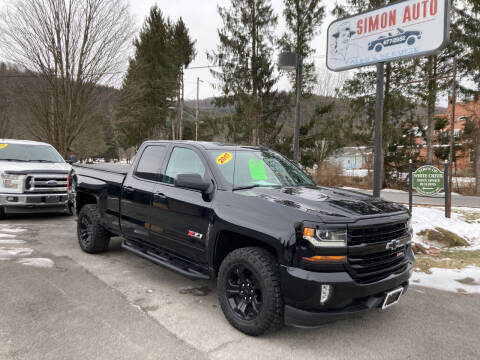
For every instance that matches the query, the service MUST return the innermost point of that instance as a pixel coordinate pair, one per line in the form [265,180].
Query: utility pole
[197,110]
[298,110]
[378,152]
[452,138]
[180,129]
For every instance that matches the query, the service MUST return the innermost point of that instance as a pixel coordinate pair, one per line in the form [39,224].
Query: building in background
[467,110]
[352,157]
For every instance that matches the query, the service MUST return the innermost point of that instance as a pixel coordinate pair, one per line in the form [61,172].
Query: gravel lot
[119,306]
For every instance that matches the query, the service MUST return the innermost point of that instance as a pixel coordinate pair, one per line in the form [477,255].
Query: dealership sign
[392,32]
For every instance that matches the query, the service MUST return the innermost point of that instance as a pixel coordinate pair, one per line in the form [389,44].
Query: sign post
[378,152]
[410,186]
[451,155]
[447,190]
[392,32]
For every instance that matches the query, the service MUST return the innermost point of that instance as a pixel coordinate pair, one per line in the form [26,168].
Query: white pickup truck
[33,178]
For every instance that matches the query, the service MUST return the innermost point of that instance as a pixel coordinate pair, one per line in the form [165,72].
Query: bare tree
[329,82]
[70,46]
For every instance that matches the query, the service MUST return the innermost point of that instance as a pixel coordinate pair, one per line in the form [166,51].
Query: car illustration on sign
[401,37]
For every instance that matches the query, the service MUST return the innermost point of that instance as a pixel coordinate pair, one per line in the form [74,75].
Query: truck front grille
[369,259]
[374,234]
[46,183]
[377,266]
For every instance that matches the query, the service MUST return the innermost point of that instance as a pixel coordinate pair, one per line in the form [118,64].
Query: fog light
[325,294]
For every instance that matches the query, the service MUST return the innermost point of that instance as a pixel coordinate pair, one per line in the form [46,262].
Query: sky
[202,19]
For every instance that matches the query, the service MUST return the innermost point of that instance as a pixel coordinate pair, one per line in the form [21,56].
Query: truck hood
[33,166]
[330,204]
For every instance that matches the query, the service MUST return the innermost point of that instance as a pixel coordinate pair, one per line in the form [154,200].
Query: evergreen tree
[246,78]
[303,19]
[152,82]
[184,54]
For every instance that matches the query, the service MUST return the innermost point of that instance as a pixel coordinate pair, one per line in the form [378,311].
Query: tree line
[71,48]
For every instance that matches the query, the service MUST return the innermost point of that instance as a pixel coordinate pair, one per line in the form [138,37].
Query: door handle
[128,189]
[159,195]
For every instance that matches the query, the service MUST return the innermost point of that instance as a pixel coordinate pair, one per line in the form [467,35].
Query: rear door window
[148,167]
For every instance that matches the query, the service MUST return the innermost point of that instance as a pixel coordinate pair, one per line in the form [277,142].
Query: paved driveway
[119,306]
[437,200]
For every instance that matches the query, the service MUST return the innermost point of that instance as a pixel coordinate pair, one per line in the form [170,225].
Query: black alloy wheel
[85,230]
[249,290]
[92,236]
[243,292]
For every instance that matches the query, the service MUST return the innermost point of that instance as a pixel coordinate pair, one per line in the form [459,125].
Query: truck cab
[33,178]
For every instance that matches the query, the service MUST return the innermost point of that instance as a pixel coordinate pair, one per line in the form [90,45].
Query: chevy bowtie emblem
[195,234]
[393,244]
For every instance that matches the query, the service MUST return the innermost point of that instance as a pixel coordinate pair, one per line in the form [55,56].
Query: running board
[185,271]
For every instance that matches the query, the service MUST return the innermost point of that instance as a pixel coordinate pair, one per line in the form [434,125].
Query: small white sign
[392,32]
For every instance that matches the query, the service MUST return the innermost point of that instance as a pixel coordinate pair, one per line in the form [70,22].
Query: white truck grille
[46,183]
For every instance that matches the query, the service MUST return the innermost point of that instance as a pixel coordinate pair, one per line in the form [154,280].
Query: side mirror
[192,181]
[72,159]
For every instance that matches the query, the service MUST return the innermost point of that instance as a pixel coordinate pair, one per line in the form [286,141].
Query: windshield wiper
[253,186]
[19,160]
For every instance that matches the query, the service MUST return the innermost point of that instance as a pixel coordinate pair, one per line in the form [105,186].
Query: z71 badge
[195,234]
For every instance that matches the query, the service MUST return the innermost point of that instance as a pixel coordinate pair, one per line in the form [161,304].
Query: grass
[443,237]
[448,259]
[471,217]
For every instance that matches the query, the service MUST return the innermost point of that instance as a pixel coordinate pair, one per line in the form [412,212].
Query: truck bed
[114,168]
[104,181]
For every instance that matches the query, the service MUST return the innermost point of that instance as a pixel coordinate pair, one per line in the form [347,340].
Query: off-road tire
[264,267]
[99,237]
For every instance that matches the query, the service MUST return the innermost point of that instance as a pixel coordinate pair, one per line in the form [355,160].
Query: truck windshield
[29,153]
[249,168]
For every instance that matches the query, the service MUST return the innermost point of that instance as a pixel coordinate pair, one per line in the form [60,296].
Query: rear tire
[92,236]
[378,47]
[249,291]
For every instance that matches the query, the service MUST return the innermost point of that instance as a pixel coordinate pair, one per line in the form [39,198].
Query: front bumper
[301,291]
[26,203]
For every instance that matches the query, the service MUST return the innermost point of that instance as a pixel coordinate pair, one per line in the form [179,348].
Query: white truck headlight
[12,181]
[325,238]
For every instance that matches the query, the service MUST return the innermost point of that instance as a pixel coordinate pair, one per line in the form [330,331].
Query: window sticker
[224,158]
[3,146]
[257,169]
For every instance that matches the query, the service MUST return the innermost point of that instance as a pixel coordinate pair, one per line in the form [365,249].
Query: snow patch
[431,217]
[7,235]
[11,230]
[37,262]
[6,253]
[355,172]
[465,280]
[12,242]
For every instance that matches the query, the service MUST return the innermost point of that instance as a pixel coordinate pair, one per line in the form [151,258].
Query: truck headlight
[11,181]
[325,238]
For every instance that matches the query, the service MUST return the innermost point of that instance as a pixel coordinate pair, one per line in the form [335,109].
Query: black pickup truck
[283,250]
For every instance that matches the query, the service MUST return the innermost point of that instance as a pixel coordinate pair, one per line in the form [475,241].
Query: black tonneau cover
[115,168]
